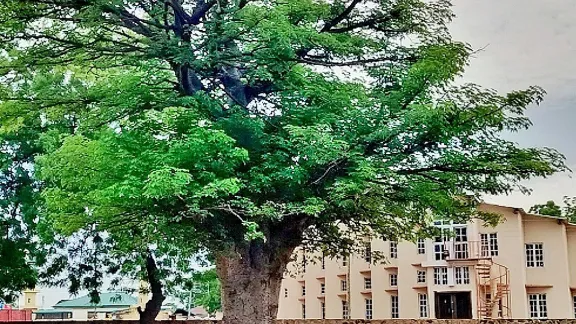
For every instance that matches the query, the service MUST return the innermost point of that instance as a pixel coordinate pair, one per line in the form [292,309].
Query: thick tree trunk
[251,285]
[154,305]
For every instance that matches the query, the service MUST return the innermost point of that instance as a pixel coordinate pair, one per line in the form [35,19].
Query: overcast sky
[528,42]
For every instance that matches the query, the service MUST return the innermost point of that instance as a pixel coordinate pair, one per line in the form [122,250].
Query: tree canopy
[568,210]
[246,128]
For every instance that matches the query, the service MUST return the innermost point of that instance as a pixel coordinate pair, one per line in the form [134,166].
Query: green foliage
[203,287]
[239,126]
[549,208]
[567,211]
[20,253]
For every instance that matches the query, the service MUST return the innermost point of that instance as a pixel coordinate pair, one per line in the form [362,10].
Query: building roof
[107,300]
[524,213]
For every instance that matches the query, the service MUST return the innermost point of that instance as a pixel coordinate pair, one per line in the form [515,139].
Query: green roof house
[107,300]
[82,308]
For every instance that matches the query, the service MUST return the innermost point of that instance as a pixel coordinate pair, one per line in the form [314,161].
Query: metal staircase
[493,286]
[492,279]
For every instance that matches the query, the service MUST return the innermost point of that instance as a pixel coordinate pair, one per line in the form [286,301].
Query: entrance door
[444,306]
[457,305]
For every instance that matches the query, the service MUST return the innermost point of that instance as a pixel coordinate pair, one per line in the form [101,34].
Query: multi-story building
[525,267]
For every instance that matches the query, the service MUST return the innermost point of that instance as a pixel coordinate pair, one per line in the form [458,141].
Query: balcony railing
[467,250]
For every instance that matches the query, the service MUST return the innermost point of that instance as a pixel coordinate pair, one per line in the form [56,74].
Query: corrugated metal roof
[109,299]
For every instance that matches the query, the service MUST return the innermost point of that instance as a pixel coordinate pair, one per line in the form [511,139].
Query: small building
[83,309]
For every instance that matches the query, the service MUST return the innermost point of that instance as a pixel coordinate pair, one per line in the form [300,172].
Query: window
[538,307]
[345,311]
[534,255]
[323,309]
[343,285]
[421,246]
[423,305]
[394,306]
[440,276]
[462,275]
[393,280]
[421,276]
[92,315]
[303,290]
[367,283]
[368,252]
[368,308]
[109,315]
[439,242]
[285,292]
[393,250]
[461,242]
[322,288]
[29,300]
[574,304]
[303,311]
[323,262]
[304,262]
[489,244]
[345,261]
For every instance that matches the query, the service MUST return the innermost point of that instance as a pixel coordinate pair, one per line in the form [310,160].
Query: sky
[526,42]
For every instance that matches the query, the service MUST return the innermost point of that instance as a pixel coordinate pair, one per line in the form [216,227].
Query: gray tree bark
[251,281]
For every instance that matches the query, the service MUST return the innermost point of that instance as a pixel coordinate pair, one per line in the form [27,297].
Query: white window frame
[394,306]
[420,276]
[345,310]
[534,255]
[423,305]
[462,275]
[393,250]
[441,276]
[421,246]
[368,252]
[344,285]
[574,304]
[537,306]
[489,244]
[367,283]
[368,308]
[393,280]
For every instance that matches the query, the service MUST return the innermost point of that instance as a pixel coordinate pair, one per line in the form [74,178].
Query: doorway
[456,305]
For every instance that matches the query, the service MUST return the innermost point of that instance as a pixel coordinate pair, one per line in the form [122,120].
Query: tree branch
[340,17]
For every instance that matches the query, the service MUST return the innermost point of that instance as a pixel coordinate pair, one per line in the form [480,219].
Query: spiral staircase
[492,279]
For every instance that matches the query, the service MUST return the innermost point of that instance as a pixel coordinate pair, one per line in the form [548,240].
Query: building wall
[516,229]
[511,253]
[554,278]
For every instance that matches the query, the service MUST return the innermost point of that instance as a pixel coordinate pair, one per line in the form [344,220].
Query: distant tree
[204,289]
[568,210]
[20,253]
[249,128]
[549,208]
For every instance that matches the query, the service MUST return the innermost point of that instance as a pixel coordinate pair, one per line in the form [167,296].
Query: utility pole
[189,303]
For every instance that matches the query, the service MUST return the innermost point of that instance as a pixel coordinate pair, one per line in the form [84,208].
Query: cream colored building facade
[524,267]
